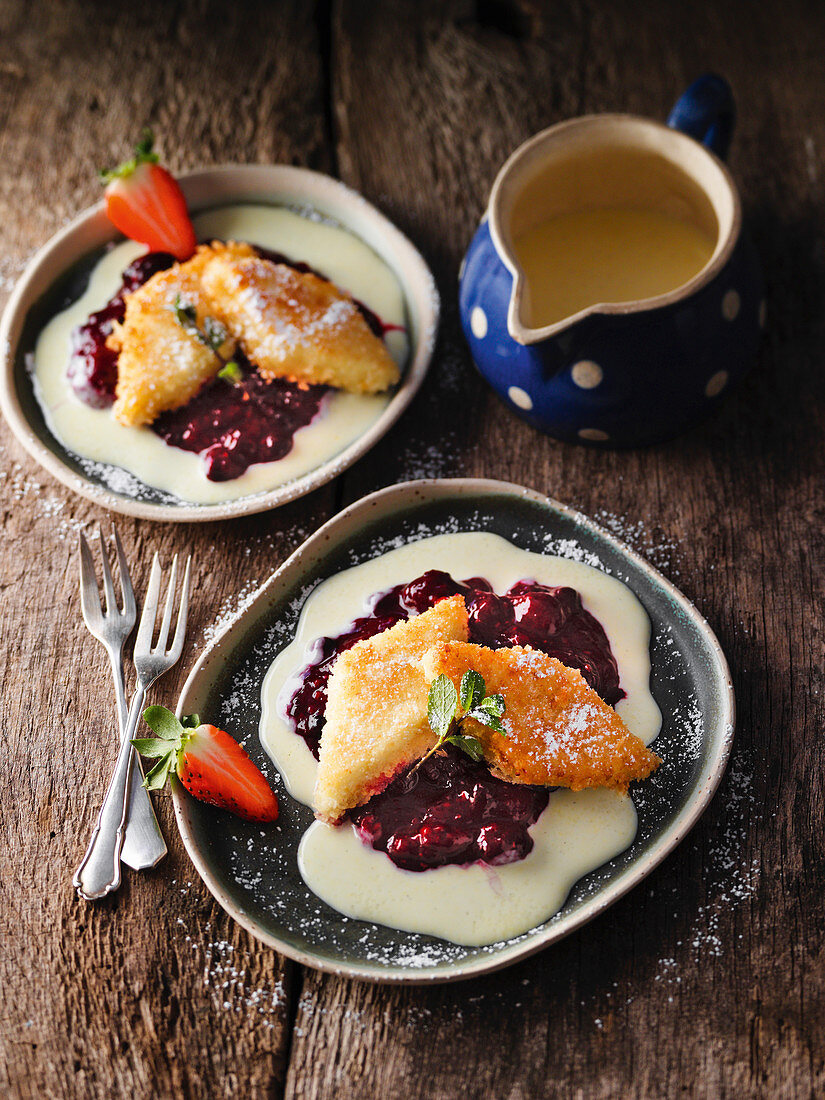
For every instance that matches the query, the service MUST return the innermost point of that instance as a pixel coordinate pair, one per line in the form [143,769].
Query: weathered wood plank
[156,992]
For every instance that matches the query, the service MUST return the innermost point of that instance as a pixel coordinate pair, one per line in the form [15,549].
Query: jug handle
[706,111]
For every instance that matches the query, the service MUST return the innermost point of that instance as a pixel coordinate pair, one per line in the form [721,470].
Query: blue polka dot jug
[621,373]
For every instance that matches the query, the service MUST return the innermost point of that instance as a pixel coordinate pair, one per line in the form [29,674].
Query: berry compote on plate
[231,424]
[452,809]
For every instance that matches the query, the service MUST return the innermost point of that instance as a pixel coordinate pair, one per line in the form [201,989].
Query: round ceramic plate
[252,869]
[56,276]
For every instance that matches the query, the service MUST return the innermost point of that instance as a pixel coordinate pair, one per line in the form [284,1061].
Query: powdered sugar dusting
[19,485]
[225,970]
[230,610]
[273,297]
[660,549]
[569,548]
[120,481]
[573,551]
[374,944]
[430,461]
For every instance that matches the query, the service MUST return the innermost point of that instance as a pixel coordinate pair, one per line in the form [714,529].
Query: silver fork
[143,843]
[99,872]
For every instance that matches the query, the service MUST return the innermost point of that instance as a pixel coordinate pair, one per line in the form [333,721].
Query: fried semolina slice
[160,365]
[295,325]
[560,733]
[376,717]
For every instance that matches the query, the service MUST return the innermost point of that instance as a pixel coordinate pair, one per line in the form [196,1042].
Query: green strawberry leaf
[468,744]
[163,723]
[441,705]
[190,721]
[472,689]
[143,155]
[151,746]
[156,778]
[144,147]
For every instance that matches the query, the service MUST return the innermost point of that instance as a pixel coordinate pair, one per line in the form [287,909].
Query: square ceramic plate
[252,869]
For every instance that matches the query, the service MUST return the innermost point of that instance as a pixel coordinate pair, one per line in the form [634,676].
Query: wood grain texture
[706,981]
[154,993]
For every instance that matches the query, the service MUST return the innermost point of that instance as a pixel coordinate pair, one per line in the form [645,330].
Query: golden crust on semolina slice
[295,325]
[161,366]
[376,717]
[560,733]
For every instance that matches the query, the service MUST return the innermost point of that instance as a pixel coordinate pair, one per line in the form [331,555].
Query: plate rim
[409,261]
[673,835]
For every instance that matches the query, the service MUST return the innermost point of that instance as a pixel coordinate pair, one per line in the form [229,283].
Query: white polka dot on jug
[730,305]
[520,398]
[587,374]
[595,435]
[716,383]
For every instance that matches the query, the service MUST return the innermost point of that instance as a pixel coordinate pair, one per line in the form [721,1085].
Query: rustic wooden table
[707,980]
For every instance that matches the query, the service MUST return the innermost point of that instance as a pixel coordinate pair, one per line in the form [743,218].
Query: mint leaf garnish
[488,719]
[489,711]
[187,317]
[448,709]
[441,706]
[213,334]
[468,744]
[472,689]
[231,373]
[494,704]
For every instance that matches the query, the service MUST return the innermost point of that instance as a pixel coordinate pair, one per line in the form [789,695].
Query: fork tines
[89,590]
[150,607]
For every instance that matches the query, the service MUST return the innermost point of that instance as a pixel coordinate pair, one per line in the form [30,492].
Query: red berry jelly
[232,426]
[452,809]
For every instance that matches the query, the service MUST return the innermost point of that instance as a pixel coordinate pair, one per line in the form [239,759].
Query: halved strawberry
[146,204]
[211,765]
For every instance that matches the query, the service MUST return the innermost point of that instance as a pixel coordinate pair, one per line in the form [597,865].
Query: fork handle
[143,843]
[99,871]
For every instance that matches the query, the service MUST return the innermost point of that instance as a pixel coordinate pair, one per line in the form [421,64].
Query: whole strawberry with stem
[144,201]
[209,763]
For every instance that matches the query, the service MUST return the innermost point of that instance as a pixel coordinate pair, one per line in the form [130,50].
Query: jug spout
[576,212]
[520,313]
